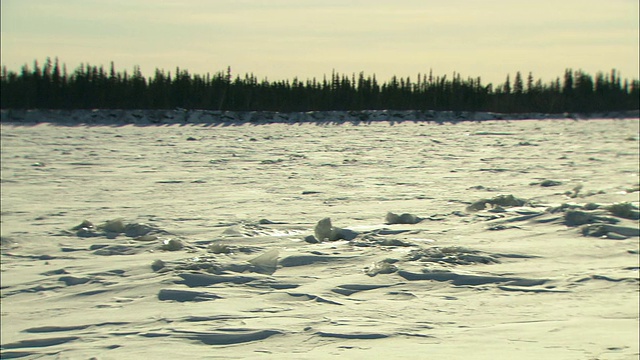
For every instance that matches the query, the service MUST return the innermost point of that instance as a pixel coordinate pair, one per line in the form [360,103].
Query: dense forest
[51,86]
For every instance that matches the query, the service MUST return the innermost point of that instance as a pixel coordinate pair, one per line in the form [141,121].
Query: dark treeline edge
[48,86]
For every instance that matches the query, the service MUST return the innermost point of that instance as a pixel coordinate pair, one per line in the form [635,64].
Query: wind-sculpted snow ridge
[282,276]
[184,116]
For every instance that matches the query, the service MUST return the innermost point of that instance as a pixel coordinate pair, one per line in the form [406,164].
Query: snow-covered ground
[200,240]
[183,116]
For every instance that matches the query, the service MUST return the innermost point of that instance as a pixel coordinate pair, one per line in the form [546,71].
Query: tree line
[51,86]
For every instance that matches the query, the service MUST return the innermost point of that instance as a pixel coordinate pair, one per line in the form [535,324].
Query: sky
[283,39]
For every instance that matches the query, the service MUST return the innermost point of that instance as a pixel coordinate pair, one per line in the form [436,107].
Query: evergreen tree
[518,86]
[507,86]
[90,86]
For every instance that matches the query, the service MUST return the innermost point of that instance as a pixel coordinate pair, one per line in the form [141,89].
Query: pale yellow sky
[280,39]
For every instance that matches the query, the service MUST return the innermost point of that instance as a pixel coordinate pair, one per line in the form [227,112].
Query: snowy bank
[183,116]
